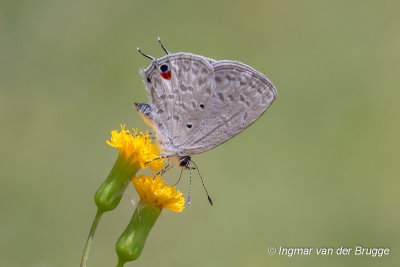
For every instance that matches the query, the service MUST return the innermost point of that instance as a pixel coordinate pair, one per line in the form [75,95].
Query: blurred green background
[319,169]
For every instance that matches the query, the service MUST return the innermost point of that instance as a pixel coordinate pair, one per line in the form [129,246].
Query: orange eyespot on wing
[166,75]
[165,72]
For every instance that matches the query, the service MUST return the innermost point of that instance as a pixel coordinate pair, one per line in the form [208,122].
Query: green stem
[120,264]
[90,238]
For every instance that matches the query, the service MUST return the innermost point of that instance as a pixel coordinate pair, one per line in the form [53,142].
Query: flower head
[136,147]
[155,191]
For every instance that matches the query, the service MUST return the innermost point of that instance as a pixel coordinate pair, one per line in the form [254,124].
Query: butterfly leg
[164,170]
[147,133]
[159,157]
[180,176]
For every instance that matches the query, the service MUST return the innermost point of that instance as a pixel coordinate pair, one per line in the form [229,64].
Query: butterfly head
[184,161]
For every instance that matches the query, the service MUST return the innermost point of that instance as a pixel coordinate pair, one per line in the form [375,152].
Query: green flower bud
[131,243]
[110,192]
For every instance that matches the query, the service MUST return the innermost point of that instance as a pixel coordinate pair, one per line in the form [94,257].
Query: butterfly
[198,103]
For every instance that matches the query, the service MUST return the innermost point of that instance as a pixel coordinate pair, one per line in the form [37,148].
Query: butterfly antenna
[163,47]
[190,185]
[152,58]
[204,186]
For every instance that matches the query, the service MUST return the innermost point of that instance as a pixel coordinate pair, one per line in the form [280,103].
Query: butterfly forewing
[179,101]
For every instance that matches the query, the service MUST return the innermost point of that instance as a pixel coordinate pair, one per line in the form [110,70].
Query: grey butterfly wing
[240,97]
[178,103]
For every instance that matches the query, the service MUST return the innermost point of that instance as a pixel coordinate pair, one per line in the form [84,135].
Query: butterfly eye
[165,71]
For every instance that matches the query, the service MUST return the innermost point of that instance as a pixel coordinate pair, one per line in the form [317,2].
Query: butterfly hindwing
[240,97]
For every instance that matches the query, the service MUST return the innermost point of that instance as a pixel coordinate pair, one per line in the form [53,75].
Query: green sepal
[131,242]
[110,192]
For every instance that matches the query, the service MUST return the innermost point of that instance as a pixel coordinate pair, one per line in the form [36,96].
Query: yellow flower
[135,152]
[137,148]
[155,191]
